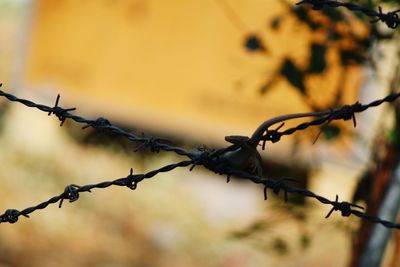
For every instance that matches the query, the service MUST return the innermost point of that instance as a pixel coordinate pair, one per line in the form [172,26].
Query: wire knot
[11,216]
[71,192]
[391,19]
[131,183]
[61,113]
[212,159]
[100,124]
[204,158]
[151,142]
[347,112]
[272,135]
[344,207]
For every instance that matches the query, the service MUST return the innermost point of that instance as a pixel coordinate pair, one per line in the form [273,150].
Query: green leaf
[393,136]
[330,132]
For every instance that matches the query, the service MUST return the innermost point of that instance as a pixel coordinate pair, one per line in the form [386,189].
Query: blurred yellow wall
[175,66]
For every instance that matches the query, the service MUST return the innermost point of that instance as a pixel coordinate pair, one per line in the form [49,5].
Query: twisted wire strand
[71,192]
[155,144]
[347,112]
[209,158]
[391,18]
[346,209]
[131,181]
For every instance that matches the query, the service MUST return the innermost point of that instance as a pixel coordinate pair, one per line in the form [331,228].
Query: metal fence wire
[212,159]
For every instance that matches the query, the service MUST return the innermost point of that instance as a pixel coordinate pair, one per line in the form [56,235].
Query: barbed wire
[155,144]
[346,112]
[345,208]
[71,192]
[391,18]
[211,159]
[101,124]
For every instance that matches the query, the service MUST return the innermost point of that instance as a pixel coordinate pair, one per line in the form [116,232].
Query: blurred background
[192,72]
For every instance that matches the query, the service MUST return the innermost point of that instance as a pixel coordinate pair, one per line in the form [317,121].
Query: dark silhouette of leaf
[348,57]
[253,43]
[334,14]
[280,246]
[276,23]
[305,241]
[318,58]
[330,132]
[239,235]
[258,226]
[334,36]
[294,75]
[302,15]
[255,228]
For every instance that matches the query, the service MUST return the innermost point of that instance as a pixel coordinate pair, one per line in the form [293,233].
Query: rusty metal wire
[391,18]
[102,124]
[71,192]
[347,112]
[209,158]
[346,209]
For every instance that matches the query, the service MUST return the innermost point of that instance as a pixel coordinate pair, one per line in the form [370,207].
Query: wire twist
[346,112]
[155,144]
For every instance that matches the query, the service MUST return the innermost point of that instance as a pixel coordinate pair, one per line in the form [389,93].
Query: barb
[391,18]
[71,192]
[100,124]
